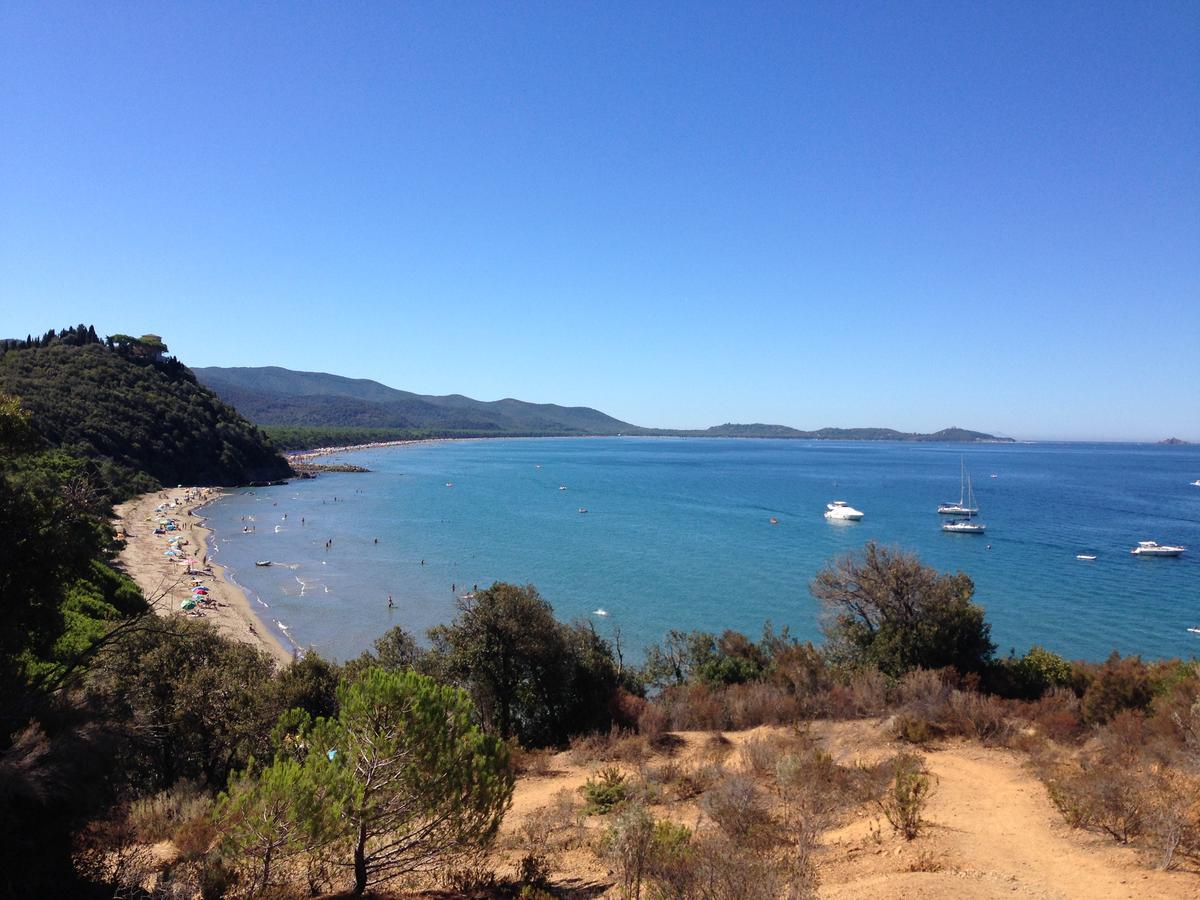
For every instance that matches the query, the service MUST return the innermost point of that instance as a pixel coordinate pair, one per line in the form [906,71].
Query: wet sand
[165,580]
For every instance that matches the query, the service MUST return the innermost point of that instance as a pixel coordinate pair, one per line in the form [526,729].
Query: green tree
[270,817]
[885,609]
[418,783]
[530,676]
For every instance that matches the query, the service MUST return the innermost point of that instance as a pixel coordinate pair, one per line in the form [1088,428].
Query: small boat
[583,509]
[840,510]
[1194,630]
[774,521]
[562,487]
[1086,556]
[600,612]
[263,562]
[1195,483]
[1151,548]
[449,484]
[964,526]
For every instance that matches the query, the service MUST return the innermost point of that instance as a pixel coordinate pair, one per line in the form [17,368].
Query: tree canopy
[531,676]
[884,608]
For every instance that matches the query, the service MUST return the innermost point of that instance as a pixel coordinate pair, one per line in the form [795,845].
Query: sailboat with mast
[964,506]
[966,525]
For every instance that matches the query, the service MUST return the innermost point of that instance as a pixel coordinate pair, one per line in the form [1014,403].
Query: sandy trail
[165,582]
[994,833]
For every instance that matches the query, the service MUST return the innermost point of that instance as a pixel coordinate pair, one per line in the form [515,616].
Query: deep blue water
[677,535]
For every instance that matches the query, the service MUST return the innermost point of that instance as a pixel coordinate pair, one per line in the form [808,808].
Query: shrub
[979,716]
[160,816]
[758,703]
[627,843]
[605,793]
[738,808]
[1120,684]
[905,801]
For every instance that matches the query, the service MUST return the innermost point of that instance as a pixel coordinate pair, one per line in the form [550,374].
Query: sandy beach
[165,580]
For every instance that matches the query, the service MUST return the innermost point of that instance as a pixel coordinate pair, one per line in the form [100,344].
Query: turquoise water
[677,535]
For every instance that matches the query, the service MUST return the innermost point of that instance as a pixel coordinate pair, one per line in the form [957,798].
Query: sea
[642,535]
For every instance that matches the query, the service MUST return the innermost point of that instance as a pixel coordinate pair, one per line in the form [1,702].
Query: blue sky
[908,215]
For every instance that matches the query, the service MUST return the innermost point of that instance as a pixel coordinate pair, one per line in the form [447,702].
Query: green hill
[274,396]
[141,419]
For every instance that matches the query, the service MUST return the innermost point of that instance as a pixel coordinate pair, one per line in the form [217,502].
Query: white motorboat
[964,526]
[842,511]
[1195,483]
[1152,548]
[964,506]
[1085,556]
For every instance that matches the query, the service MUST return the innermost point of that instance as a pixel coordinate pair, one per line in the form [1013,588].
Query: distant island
[309,409]
[1174,442]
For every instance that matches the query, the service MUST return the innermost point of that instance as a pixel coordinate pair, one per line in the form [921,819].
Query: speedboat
[964,526]
[1195,483]
[263,562]
[840,510]
[1085,556]
[1151,548]
[583,509]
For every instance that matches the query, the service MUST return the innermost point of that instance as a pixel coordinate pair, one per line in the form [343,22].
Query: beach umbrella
[199,590]
[188,604]
[171,553]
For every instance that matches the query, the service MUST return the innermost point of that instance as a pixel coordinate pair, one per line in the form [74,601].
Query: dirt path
[993,832]
[998,820]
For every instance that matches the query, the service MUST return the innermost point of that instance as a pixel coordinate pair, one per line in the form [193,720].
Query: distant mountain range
[317,402]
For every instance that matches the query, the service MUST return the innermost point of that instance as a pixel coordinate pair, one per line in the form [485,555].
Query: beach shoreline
[300,456]
[165,580]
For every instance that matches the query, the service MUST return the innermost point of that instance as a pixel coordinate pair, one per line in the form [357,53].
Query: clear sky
[910,214]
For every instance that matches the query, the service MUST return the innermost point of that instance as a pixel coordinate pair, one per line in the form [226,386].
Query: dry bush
[760,703]
[914,729]
[1058,715]
[864,694]
[741,811]
[537,763]
[614,745]
[761,753]
[695,707]
[979,716]
[653,723]
[905,801]
[159,816]
[925,693]
[723,870]
[688,782]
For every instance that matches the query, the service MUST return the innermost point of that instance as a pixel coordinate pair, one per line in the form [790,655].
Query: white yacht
[963,507]
[840,510]
[1151,548]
